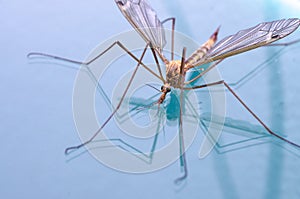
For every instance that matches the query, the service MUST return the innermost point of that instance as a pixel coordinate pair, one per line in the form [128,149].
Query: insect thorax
[173,74]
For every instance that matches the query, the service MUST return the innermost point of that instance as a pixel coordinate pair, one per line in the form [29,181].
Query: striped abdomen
[201,52]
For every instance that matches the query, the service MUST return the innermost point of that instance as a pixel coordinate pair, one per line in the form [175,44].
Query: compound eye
[168,89]
[162,88]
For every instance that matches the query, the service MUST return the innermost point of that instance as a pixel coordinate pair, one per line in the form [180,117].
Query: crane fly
[145,21]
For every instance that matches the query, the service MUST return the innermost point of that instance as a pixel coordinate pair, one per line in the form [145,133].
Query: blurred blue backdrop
[36,119]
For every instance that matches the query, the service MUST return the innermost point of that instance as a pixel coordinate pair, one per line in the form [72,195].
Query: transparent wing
[244,40]
[145,21]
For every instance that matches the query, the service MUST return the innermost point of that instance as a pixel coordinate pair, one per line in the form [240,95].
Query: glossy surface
[36,104]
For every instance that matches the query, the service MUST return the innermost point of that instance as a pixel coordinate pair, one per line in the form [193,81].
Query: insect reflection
[145,21]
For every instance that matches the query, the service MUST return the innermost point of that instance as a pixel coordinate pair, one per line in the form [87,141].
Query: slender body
[144,20]
[174,78]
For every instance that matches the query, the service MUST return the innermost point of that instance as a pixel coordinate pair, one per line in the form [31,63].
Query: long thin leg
[67,151]
[181,139]
[146,157]
[181,144]
[173,19]
[172,49]
[246,107]
[33,54]
[157,63]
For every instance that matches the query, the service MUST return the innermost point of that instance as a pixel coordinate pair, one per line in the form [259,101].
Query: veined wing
[244,40]
[144,20]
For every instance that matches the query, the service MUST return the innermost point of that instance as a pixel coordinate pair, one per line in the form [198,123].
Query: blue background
[36,122]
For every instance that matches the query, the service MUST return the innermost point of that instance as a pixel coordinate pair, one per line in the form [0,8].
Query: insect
[144,20]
